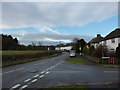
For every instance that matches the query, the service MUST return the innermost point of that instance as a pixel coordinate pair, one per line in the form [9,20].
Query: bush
[17,57]
[91,50]
[101,51]
[118,51]
[85,49]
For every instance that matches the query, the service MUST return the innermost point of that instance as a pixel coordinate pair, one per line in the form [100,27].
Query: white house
[96,41]
[64,48]
[112,40]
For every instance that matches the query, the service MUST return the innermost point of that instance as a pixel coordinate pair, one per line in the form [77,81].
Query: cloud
[48,38]
[51,14]
[44,16]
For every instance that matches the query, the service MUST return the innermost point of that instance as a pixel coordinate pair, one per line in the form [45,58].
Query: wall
[64,48]
[112,45]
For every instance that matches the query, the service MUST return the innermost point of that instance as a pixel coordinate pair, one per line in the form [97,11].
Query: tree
[33,44]
[40,43]
[118,51]
[85,49]
[8,43]
[80,44]
[75,40]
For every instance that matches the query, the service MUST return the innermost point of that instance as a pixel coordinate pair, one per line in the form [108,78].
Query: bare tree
[40,43]
[33,44]
[75,40]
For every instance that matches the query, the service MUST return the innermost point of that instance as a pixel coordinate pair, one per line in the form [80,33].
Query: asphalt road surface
[56,71]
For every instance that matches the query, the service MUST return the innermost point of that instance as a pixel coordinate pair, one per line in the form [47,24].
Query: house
[96,41]
[64,48]
[112,40]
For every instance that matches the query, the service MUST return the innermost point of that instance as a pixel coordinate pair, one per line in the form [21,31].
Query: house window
[104,42]
[118,40]
[112,40]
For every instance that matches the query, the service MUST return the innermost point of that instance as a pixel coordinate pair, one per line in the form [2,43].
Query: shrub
[101,51]
[85,49]
[91,50]
[118,51]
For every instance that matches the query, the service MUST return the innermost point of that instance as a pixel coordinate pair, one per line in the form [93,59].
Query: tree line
[10,43]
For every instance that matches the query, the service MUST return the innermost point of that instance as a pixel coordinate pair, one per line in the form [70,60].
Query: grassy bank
[19,52]
[76,60]
[93,59]
[10,63]
[68,87]
[19,57]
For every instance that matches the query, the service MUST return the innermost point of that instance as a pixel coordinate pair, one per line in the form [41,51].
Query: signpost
[48,51]
[80,50]
[105,60]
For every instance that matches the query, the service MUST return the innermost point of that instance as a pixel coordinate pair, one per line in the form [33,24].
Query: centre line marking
[12,71]
[27,80]
[111,71]
[36,75]
[34,80]
[19,69]
[42,72]
[24,86]
[47,72]
[8,72]
[41,76]
[16,86]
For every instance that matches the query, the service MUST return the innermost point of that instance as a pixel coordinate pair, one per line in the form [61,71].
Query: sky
[55,22]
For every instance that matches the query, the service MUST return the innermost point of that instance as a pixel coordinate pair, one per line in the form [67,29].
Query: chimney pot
[98,35]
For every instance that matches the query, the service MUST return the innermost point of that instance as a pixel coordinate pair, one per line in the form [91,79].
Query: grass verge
[93,59]
[76,60]
[25,61]
[96,60]
[68,87]
[19,52]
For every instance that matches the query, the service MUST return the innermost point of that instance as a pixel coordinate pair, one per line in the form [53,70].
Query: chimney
[98,35]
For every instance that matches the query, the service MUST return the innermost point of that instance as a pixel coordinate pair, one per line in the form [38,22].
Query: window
[113,40]
[104,42]
[118,40]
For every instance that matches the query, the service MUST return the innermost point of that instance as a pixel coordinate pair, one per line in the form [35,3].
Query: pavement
[56,71]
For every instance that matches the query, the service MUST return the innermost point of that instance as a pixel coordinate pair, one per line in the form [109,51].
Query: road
[56,71]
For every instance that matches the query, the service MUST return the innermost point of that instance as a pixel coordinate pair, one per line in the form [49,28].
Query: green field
[19,52]
[76,60]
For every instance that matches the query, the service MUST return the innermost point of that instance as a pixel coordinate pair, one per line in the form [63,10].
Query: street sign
[79,48]
[48,48]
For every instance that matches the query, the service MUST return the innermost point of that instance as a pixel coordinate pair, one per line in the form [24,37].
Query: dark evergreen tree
[118,51]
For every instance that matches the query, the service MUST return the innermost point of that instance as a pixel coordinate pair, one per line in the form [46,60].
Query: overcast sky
[52,22]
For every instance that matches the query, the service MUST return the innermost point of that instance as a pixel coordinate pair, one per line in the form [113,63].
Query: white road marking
[47,69]
[47,72]
[27,80]
[16,86]
[42,72]
[36,75]
[8,72]
[41,76]
[51,67]
[111,71]
[19,69]
[12,71]
[24,86]
[34,80]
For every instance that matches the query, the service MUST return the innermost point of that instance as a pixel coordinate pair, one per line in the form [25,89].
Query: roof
[96,39]
[113,34]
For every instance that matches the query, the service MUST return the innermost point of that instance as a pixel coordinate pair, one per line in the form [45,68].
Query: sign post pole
[80,50]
